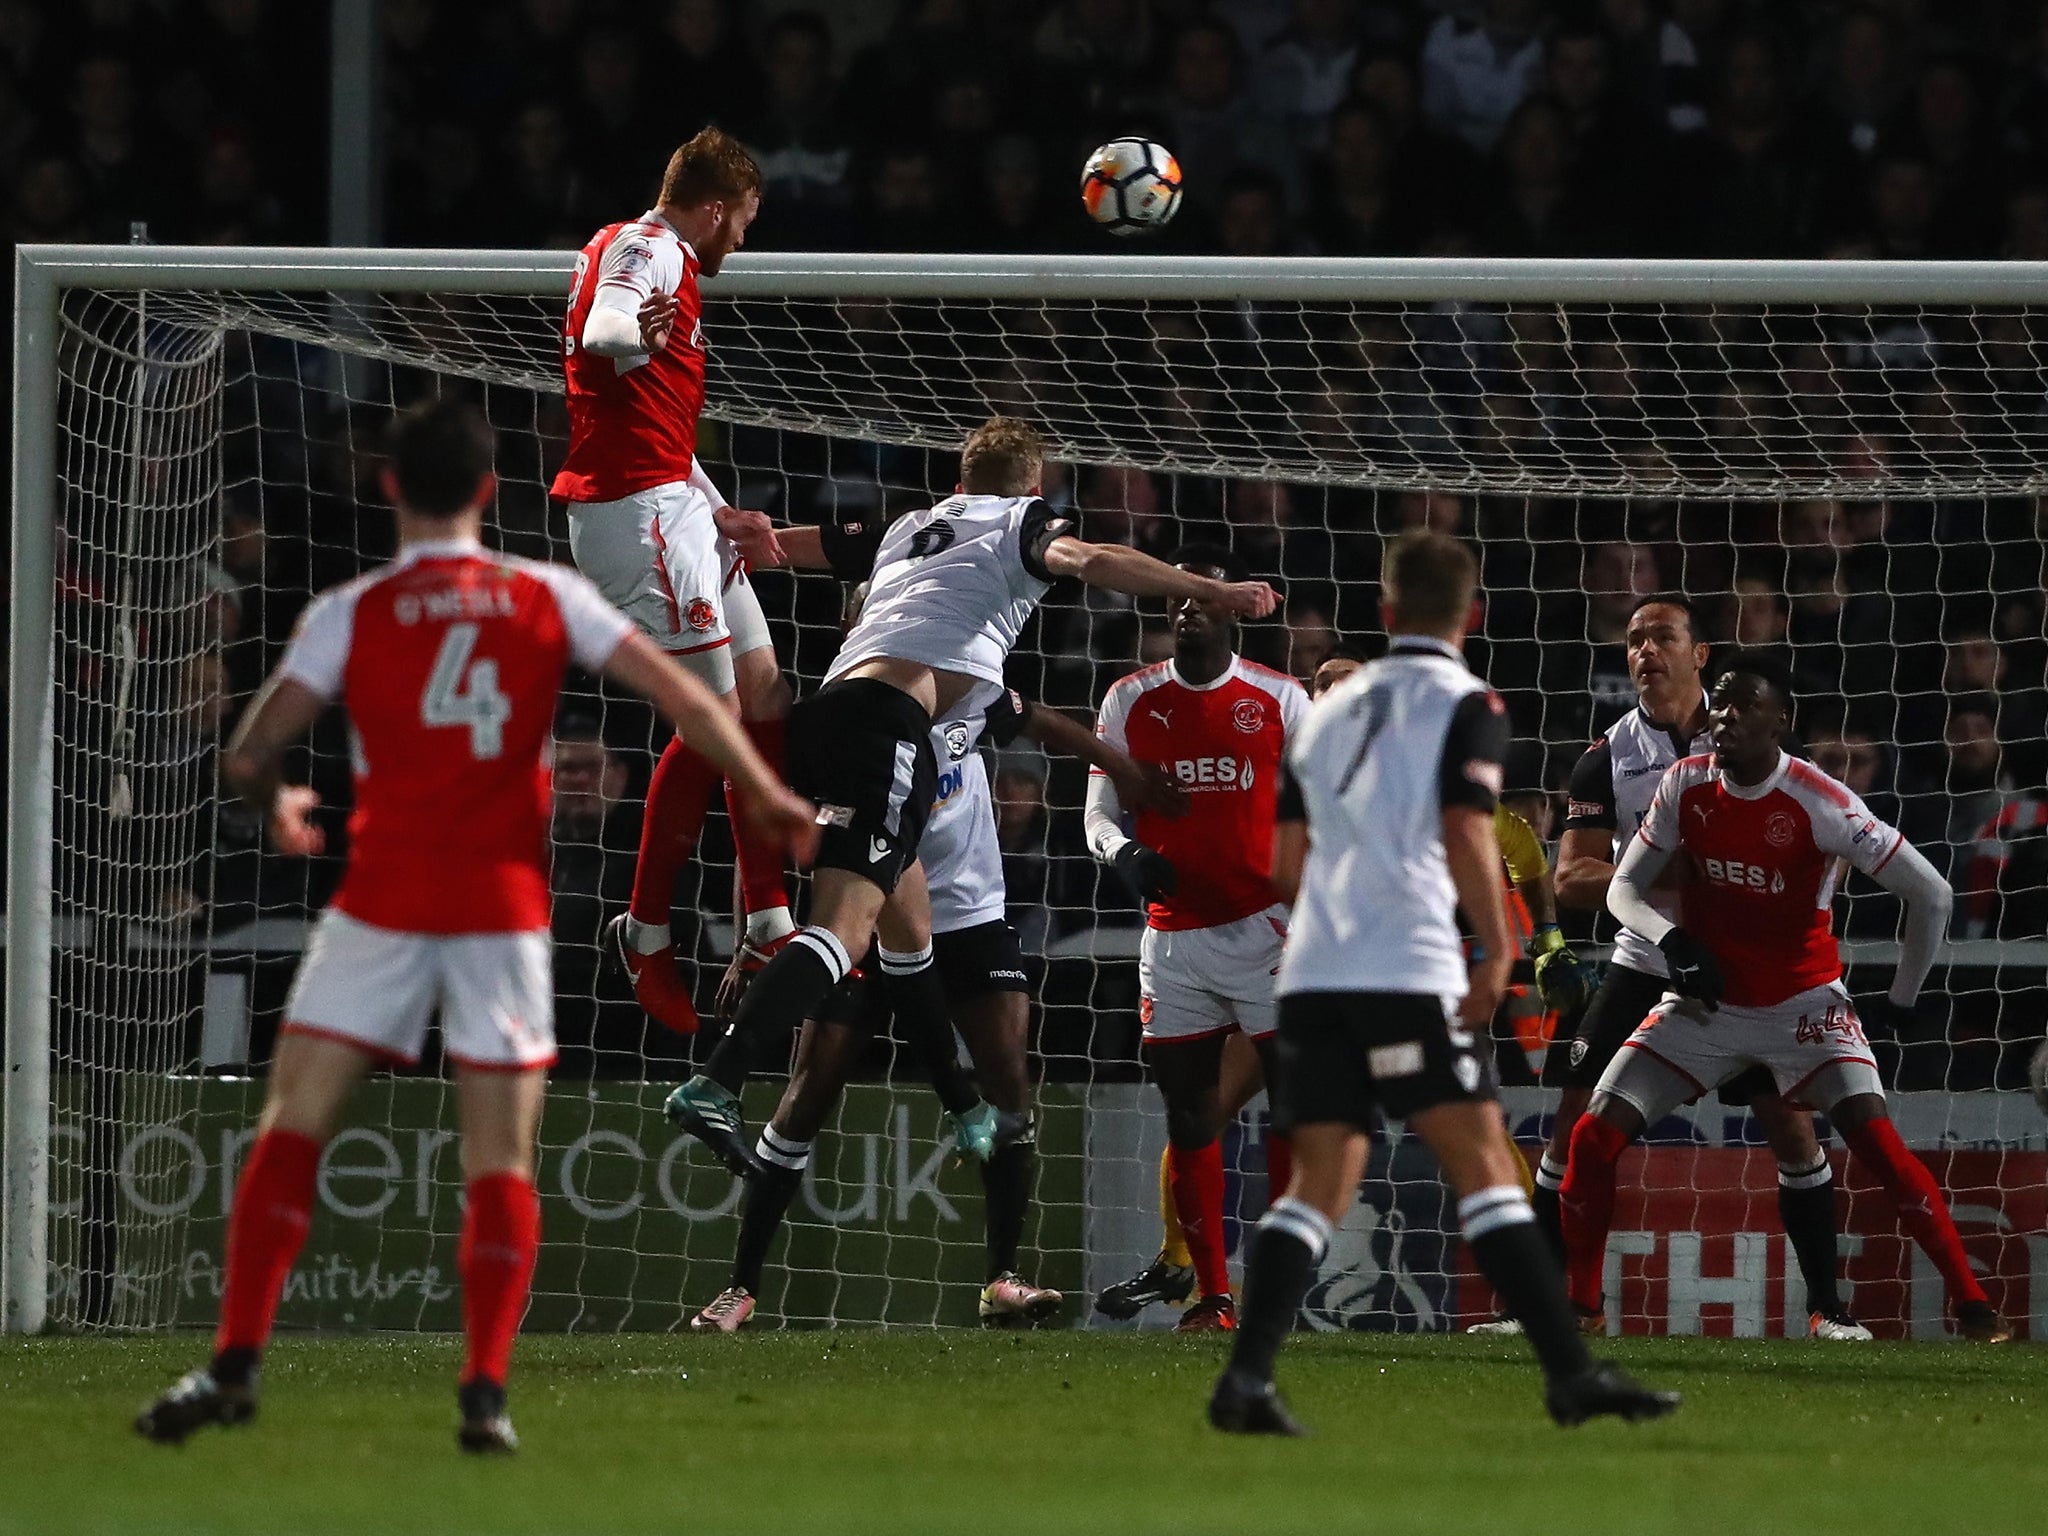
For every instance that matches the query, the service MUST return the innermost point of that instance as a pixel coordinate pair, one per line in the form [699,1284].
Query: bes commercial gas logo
[1214,772]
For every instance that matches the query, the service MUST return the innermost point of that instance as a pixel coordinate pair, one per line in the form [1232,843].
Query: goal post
[1601,389]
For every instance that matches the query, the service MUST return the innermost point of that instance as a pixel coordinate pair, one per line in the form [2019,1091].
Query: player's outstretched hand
[1148,787]
[2037,1076]
[786,819]
[1250,599]
[1695,973]
[753,535]
[657,319]
[292,826]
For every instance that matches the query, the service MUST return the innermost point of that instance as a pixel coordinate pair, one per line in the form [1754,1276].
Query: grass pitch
[1051,1432]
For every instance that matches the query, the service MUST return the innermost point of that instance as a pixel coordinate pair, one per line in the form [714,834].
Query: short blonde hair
[1429,580]
[713,167]
[1004,457]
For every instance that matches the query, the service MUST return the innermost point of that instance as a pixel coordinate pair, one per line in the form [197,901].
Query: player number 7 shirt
[449,661]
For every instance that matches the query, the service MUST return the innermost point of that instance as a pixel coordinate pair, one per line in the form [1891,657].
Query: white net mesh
[1854,484]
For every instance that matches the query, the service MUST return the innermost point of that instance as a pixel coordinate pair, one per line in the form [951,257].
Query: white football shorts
[657,557]
[375,988]
[1202,981]
[1812,1044]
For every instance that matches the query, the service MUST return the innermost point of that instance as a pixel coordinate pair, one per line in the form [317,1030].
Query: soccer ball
[1131,185]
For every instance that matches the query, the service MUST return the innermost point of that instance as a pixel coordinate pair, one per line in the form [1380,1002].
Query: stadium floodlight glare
[157,389]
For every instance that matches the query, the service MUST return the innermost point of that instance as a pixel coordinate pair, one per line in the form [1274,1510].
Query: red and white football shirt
[633,419]
[449,661]
[1223,743]
[1765,856]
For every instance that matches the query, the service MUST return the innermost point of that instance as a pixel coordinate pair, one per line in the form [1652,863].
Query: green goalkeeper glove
[1565,980]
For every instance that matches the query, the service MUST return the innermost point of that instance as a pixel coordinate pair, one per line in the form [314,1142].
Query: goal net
[1843,461]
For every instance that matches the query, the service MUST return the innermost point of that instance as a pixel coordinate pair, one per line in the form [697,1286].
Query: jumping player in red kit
[1218,726]
[1755,973]
[649,527]
[449,662]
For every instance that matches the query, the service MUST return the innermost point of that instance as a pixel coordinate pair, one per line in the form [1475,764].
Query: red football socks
[500,1238]
[678,794]
[1197,1174]
[273,1208]
[1279,1165]
[1586,1202]
[761,864]
[1922,1210]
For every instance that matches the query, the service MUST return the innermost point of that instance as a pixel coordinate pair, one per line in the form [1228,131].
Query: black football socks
[777,1001]
[1518,1263]
[1280,1263]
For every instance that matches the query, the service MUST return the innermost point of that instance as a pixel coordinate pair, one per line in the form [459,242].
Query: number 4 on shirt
[465,692]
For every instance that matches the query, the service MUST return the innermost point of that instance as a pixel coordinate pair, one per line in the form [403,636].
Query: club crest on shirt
[956,739]
[1781,831]
[1248,715]
[700,615]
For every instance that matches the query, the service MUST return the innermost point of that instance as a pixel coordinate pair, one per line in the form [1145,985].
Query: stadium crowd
[1342,127]
[1347,127]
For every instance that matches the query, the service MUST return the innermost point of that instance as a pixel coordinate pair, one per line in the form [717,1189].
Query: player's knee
[1857,1111]
[1191,1125]
[1601,1136]
[1789,1131]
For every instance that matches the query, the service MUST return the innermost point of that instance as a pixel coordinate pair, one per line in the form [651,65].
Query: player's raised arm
[1114,568]
[1135,785]
[711,730]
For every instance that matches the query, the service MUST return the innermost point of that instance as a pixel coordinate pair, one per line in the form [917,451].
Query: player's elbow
[1940,903]
[1074,560]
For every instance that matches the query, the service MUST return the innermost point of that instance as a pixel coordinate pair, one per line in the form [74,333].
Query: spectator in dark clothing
[1955,139]
[545,193]
[1433,172]
[1585,684]
[1357,211]
[1617,148]
[1207,116]
[123,179]
[1747,178]
[799,134]
[1952,792]
[1535,208]
[704,54]
[618,130]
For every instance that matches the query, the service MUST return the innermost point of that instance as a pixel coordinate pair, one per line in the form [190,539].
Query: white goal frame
[44,272]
